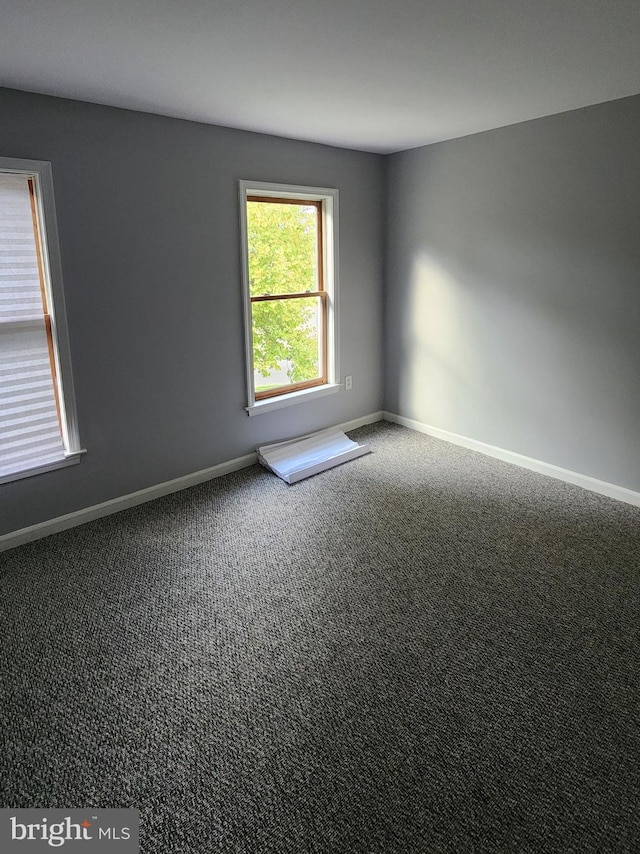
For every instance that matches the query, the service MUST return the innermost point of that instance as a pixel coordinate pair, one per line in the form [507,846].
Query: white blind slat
[18,254]
[29,428]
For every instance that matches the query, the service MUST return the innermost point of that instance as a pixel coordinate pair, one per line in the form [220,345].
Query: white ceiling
[378,75]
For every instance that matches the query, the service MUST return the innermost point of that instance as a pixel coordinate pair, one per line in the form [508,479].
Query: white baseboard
[97,511]
[114,505]
[611,490]
[361,422]
[88,514]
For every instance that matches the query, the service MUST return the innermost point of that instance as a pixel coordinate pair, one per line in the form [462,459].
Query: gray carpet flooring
[423,650]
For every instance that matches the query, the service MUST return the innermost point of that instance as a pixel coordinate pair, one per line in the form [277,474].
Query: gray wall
[512,301]
[512,307]
[148,223]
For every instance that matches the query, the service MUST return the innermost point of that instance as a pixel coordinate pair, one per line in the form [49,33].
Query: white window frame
[329,199]
[40,172]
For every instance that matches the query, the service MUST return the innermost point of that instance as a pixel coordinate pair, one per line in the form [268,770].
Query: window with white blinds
[36,431]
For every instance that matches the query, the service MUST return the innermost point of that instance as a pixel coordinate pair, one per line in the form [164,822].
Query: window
[290,290]
[38,428]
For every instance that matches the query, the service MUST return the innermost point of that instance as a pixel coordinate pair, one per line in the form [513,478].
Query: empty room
[320,426]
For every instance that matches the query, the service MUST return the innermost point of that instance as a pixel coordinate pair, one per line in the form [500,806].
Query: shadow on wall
[454,364]
[435,377]
[508,355]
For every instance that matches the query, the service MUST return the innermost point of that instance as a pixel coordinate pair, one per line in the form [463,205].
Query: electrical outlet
[348,383]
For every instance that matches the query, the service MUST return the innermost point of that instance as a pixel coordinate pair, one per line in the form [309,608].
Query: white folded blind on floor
[297,459]
[29,428]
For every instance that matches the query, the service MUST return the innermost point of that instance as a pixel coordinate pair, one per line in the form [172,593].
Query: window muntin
[289,237]
[37,414]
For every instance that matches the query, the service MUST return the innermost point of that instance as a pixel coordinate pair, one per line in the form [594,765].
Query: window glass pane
[282,244]
[286,342]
